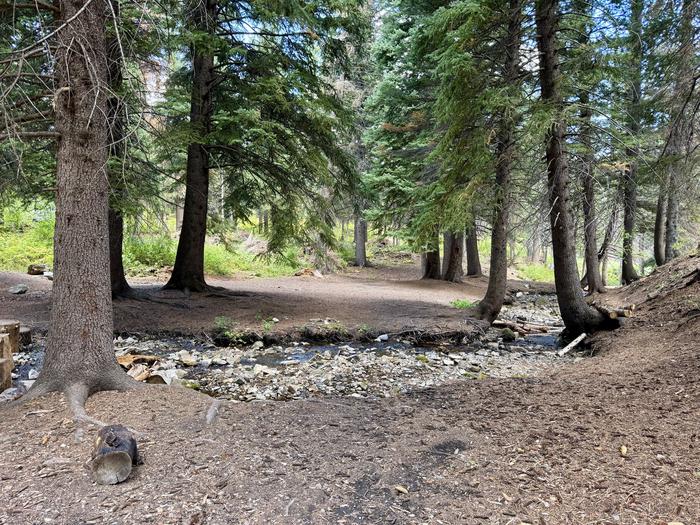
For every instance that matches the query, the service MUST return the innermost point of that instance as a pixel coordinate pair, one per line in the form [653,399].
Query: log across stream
[386,367]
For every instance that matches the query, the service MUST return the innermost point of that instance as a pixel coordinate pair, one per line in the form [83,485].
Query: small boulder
[18,289]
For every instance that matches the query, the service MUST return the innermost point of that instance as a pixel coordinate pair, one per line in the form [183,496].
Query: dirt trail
[545,450]
[376,299]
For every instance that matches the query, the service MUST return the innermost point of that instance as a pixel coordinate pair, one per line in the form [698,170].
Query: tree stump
[114,455]
[11,328]
[6,362]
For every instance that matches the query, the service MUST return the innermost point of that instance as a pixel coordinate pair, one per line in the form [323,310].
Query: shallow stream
[382,368]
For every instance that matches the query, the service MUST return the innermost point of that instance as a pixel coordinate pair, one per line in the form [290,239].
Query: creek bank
[384,367]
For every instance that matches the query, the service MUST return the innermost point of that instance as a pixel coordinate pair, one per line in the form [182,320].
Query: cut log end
[11,328]
[111,468]
[6,362]
[114,455]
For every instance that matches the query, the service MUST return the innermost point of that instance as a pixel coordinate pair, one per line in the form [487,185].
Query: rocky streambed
[384,367]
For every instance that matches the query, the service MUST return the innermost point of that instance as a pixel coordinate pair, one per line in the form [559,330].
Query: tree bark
[430,260]
[454,271]
[680,134]
[120,286]
[79,355]
[188,272]
[490,306]
[660,226]
[472,249]
[360,242]
[431,264]
[592,276]
[447,241]
[578,317]
[629,273]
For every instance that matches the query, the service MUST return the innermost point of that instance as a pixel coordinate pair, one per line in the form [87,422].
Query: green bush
[536,272]
[462,304]
[22,243]
[142,255]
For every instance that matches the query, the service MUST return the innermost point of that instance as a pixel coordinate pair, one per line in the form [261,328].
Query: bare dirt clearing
[611,439]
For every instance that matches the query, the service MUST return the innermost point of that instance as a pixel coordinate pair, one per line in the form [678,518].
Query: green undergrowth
[23,243]
[463,304]
[540,273]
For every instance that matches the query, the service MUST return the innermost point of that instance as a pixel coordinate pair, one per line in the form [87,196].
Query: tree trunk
[592,276]
[578,317]
[188,272]
[671,230]
[490,306]
[447,241]
[360,242]
[681,131]
[431,264]
[472,249]
[454,272]
[629,273]
[660,227]
[120,286]
[79,355]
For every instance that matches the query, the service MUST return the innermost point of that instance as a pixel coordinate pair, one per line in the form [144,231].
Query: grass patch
[31,245]
[463,304]
[143,255]
[536,272]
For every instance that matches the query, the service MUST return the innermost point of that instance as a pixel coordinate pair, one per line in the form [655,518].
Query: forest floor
[386,298]
[609,439]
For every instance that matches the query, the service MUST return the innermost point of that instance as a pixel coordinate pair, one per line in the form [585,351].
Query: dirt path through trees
[376,299]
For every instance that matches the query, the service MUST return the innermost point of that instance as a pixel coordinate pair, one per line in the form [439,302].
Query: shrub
[462,304]
[536,272]
[142,255]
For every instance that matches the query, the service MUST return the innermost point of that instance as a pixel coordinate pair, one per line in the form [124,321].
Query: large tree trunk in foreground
[472,250]
[79,353]
[453,271]
[490,306]
[578,316]
[188,272]
[120,286]
[629,273]
[360,242]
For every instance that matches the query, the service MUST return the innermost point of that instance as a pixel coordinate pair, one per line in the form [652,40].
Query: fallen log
[573,344]
[614,313]
[114,455]
[523,328]
[11,328]
[511,325]
[6,362]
